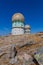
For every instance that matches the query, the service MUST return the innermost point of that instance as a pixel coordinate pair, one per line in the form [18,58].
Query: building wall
[27,31]
[17,28]
[18,24]
[17,31]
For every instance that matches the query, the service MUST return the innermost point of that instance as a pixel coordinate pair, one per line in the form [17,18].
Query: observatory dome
[27,26]
[18,16]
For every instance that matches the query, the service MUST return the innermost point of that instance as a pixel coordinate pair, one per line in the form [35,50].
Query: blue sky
[31,9]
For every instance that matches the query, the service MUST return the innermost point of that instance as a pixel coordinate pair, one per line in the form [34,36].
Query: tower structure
[27,29]
[17,24]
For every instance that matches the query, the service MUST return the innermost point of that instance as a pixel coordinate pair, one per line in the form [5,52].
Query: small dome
[18,16]
[27,26]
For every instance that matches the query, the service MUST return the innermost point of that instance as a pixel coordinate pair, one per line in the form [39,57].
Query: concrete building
[17,24]
[27,29]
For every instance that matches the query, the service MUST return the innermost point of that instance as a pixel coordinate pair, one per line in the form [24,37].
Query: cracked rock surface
[19,50]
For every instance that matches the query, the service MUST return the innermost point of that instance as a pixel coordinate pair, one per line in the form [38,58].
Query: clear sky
[31,9]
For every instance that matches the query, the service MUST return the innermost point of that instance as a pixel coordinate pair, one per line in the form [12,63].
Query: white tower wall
[17,31]
[27,31]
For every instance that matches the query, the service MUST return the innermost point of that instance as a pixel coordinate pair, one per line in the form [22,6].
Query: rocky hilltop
[19,50]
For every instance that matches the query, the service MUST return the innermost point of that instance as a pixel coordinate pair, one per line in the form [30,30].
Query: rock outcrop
[19,50]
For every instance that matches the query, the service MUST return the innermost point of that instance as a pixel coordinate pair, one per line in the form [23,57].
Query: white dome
[18,16]
[27,26]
